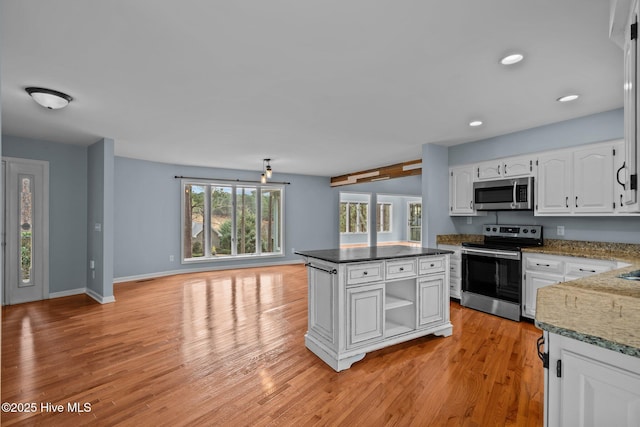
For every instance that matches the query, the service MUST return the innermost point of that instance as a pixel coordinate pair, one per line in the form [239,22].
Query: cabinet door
[631,111]
[365,314]
[534,281]
[593,180]
[596,386]
[489,170]
[553,185]
[461,191]
[619,185]
[517,166]
[431,299]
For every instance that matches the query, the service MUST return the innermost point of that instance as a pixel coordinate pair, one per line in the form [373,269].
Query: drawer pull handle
[587,270]
[543,265]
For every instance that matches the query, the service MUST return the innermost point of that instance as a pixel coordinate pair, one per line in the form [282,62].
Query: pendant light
[267,172]
[49,98]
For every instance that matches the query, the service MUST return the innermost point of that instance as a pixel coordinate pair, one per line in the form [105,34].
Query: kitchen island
[367,298]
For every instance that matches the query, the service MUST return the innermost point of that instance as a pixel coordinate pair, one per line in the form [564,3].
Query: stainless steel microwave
[504,194]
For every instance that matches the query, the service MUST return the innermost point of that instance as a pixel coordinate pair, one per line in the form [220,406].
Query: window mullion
[206,223]
[234,231]
[258,220]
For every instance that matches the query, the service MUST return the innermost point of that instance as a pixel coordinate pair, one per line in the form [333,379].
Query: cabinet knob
[432,265]
[364,273]
[401,268]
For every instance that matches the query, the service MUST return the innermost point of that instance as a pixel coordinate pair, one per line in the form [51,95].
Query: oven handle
[491,254]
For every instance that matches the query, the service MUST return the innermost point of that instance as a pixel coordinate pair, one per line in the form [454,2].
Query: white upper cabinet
[624,31]
[553,185]
[461,190]
[593,180]
[577,181]
[510,167]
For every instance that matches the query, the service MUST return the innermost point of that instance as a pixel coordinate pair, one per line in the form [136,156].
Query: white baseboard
[102,300]
[68,293]
[201,270]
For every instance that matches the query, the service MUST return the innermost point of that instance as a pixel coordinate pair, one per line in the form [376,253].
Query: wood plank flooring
[227,348]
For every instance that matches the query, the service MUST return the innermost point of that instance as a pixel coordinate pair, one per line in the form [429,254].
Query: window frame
[365,223]
[234,186]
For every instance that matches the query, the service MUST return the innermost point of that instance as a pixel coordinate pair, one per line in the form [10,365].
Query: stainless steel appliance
[492,270]
[503,194]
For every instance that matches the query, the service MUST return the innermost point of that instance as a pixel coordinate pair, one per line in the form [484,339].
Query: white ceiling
[323,87]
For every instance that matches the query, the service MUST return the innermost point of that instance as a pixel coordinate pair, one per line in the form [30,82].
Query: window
[222,220]
[353,217]
[383,217]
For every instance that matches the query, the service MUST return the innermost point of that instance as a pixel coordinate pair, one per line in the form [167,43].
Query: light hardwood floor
[227,348]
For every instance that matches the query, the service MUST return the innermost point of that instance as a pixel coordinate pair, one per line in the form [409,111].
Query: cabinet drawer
[582,269]
[400,269]
[430,265]
[455,268]
[364,273]
[548,265]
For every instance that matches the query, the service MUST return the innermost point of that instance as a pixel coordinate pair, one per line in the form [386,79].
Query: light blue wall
[598,127]
[399,217]
[435,194]
[147,216]
[100,226]
[67,207]
[583,130]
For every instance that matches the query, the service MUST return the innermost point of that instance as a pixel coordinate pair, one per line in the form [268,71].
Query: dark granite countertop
[370,253]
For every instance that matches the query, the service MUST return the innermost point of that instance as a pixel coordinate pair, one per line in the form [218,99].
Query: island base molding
[342,361]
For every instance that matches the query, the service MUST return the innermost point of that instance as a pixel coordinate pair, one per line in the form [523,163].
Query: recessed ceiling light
[568,98]
[512,59]
[475,123]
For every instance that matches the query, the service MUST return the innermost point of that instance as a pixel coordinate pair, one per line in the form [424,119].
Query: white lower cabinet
[588,385]
[365,314]
[455,270]
[359,307]
[541,270]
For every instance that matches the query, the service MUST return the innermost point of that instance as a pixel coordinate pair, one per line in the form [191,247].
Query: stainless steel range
[492,271]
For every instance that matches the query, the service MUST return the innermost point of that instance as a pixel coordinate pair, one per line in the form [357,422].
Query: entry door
[415,222]
[26,230]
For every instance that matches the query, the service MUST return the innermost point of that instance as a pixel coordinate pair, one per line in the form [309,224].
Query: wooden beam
[399,170]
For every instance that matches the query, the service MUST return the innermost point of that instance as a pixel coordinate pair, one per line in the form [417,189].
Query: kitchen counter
[458,239]
[602,309]
[370,253]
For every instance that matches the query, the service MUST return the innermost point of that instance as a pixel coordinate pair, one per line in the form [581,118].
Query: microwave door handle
[515,192]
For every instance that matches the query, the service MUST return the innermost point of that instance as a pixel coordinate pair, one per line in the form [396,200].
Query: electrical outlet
[469,220]
[560,230]
[293,250]
[171,258]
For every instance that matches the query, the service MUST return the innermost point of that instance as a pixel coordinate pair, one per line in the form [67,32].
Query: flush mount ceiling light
[475,123]
[48,98]
[568,98]
[514,58]
[267,171]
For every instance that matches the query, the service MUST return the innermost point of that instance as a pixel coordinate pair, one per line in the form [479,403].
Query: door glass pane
[221,220]
[246,220]
[193,229]
[415,222]
[26,228]
[271,220]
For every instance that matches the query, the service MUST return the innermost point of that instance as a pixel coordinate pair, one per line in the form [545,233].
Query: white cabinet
[509,167]
[455,270]
[553,183]
[624,15]
[541,270]
[593,178]
[365,314]
[588,385]
[461,191]
[357,307]
[576,181]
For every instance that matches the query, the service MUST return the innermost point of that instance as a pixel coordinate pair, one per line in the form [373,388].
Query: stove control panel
[518,231]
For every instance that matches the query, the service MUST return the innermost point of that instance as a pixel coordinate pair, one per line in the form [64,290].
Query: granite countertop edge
[354,255]
[589,339]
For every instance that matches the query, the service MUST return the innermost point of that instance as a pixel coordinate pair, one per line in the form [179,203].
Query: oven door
[492,273]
